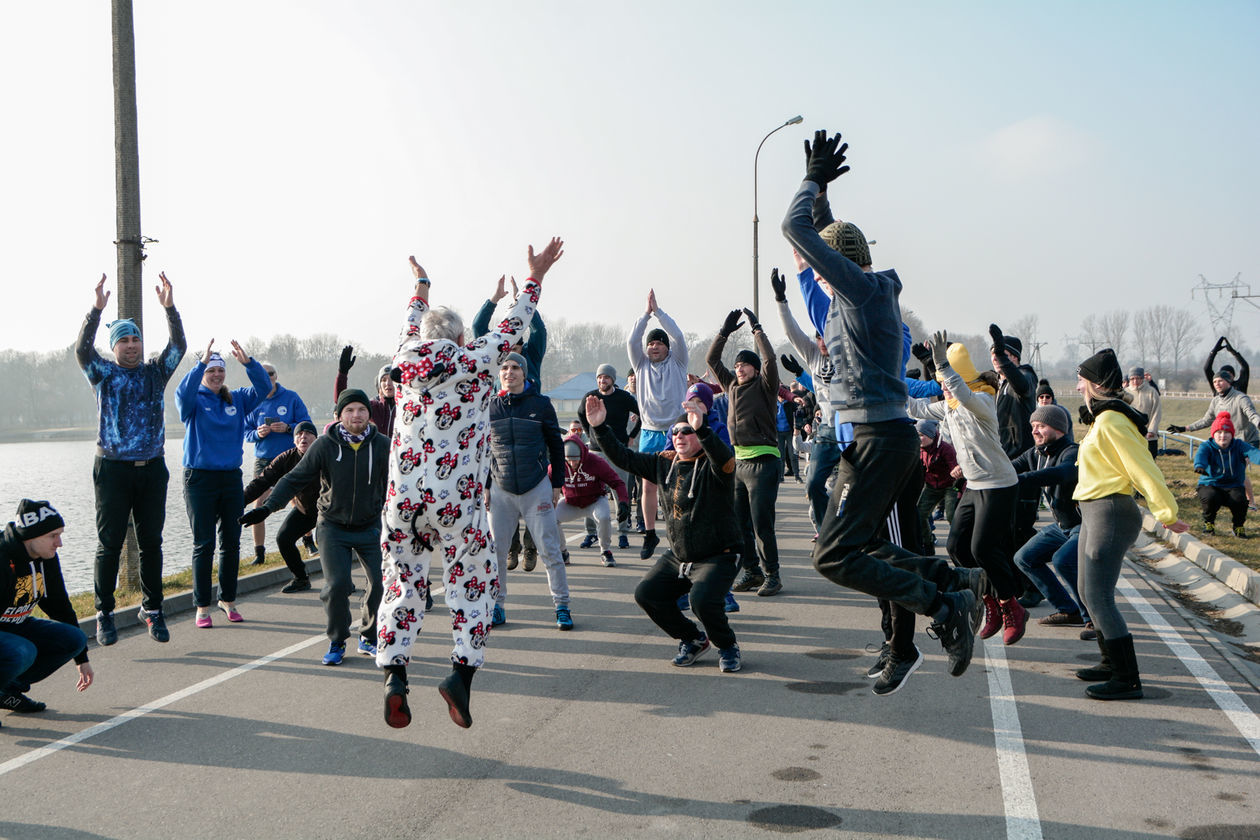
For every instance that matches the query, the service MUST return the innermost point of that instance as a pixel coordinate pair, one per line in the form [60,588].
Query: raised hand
[826,159]
[695,414]
[500,291]
[347,359]
[791,365]
[205,357]
[779,285]
[417,270]
[921,352]
[753,323]
[596,413]
[239,353]
[939,345]
[731,323]
[999,340]
[102,296]
[540,263]
[165,294]
[651,303]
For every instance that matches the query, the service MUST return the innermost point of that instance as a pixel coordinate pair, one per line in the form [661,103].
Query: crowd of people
[432,477]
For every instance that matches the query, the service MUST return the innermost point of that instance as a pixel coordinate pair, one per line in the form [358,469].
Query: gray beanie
[607,370]
[520,360]
[928,427]
[1137,371]
[1054,416]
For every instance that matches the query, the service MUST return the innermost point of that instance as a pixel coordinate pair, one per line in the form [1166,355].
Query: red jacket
[939,460]
[585,484]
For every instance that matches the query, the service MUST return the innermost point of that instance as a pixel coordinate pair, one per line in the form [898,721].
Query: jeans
[980,535]
[214,498]
[928,500]
[32,649]
[1053,550]
[337,548]
[787,455]
[1109,527]
[708,580]
[822,462]
[291,530]
[536,508]
[125,491]
[756,492]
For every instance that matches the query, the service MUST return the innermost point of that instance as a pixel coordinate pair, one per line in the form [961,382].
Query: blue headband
[120,329]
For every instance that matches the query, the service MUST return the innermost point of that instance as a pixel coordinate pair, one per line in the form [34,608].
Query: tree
[1183,333]
[1091,333]
[1113,326]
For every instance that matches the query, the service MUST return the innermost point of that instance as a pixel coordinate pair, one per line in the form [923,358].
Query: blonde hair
[1097,393]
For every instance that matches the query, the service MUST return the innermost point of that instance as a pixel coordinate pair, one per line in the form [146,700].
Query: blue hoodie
[285,405]
[215,429]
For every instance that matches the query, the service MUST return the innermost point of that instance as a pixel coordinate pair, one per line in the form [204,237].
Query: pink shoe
[1015,619]
[992,617]
[232,614]
[203,621]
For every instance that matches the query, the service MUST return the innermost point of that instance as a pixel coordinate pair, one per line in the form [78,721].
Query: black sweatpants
[707,581]
[980,535]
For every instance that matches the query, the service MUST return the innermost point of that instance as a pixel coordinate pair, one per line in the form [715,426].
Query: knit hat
[216,361]
[1014,345]
[34,519]
[1223,423]
[1054,416]
[849,240]
[701,391]
[572,449]
[520,360]
[960,361]
[1225,372]
[1139,372]
[748,357]
[384,372]
[1043,387]
[657,334]
[305,426]
[1102,369]
[928,427]
[352,395]
[120,329]
[607,370]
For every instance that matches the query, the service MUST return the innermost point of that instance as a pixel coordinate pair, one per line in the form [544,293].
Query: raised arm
[677,341]
[85,348]
[176,343]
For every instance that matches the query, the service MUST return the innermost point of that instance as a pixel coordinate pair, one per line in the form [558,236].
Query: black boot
[455,690]
[1124,683]
[1103,670]
[397,712]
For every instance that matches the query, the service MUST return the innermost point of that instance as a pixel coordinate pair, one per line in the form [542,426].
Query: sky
[1008,159]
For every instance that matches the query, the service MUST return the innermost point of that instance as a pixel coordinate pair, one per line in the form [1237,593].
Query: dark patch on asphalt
[796,774]
[818,746]
[790,819]
[826,687]
[1230,797]
[832,654]
[1220,831]
[1157,823]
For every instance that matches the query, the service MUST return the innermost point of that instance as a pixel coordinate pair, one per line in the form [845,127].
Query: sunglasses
[681,430]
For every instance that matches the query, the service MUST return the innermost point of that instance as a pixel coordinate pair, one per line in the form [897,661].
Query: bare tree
[1091,333]
[1183,334]
[1114,326]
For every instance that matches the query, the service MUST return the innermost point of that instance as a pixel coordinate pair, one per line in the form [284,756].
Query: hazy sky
[1009,158]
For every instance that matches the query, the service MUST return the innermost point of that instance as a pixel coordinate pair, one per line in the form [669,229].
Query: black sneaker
[885,651]
[513,559]
[772,586]
[650,542]
[978,582]
[296,585]
[895,673]
[531,559]
[106,633]
[21,704]
[564,555]
[156,623]
[955,633]
[397,712]
[748,579]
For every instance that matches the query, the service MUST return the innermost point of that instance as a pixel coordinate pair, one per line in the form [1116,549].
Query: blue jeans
[33,649]
[214,498]
[1052,547]
[822,462]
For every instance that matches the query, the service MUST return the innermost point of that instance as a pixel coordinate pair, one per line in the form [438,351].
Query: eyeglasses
[682,431]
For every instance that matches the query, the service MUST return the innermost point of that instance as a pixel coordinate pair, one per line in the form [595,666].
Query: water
[61,472]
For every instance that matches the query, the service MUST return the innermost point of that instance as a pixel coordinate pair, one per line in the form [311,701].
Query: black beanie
[657,334]
[1103,370]
[748,357]
[34,519]
[1014,345]
[1225,372]
[351,395]
[1043,387]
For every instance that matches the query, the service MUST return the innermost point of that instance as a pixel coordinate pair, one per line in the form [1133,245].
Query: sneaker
[232,614]
[639,527]
[497,616]
[772,586]
[308,543]
[895,672]
[1240,532]
[689,652]
[684,602]
[731,604]
[1089,634]
[204,621]
[748,579]
[885,651]
[156,623]
[978,582]
[728,660]
[564,555]
[513,559]
[1209,527]
[955,633]
[564,620]
[623,541]
[650,542]
[1014,621]
[366,648]
[531,559]
[296,585]
[106,633]
[588,541]
[21,704]
[397,712]
[608,559]
[1062,619]
[992,618]
[260,555]
[336,652]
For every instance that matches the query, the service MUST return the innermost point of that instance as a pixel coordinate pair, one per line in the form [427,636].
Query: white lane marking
[140,711]
[1022,820]
[1245,720]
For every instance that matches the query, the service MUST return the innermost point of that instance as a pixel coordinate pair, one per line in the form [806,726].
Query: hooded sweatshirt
[1241,411]
[1226,467]
[28,582]
[215,427]
[660,386]
[352,480]
[586,482]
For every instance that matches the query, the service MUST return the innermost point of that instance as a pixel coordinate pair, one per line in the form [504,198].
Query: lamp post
[794,121]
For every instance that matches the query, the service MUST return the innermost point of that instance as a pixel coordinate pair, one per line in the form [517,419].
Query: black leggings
[291,530]
[980,535]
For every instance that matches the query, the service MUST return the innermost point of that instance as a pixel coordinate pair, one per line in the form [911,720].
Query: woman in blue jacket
[215,421]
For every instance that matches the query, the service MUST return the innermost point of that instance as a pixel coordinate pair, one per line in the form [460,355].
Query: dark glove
[1085,415]
[1221,343]
[999,340]
[623,511]
[753,324]
[347,359]
[826,159]
[779,285]
[1201,470]
[921,352]
[254,515]
[791,365]
[731,323]
[1175,429]
[939,345]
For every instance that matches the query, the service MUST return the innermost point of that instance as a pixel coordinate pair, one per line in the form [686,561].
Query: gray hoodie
[973,430]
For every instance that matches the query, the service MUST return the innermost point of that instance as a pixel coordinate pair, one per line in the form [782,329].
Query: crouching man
[697,482]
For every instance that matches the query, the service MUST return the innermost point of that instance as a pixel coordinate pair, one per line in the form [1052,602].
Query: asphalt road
[240,732]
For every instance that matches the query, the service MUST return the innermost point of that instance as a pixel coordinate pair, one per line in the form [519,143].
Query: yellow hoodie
[1114,458]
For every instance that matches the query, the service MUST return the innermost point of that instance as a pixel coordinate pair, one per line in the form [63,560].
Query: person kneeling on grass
[697,484]
[1222,467]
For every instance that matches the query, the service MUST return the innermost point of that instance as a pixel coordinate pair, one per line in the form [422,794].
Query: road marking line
[1245,720]
[1018,799]
[78,737]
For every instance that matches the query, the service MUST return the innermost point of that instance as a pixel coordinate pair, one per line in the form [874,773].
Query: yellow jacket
[1114,458]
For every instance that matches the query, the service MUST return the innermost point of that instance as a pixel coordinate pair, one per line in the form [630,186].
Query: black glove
[753,324]
[1201,470]
[791,365]
[623,511]
[1175,429]
[731,323]
[1221,343]
[347,359]
[1085,415]
[779,285]
[921,352]
[254,515]
[826,159]
[999,340]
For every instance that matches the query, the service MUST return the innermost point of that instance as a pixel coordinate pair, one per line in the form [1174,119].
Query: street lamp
[797,120]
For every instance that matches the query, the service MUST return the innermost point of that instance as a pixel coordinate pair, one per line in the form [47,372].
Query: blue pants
[33,649]
[1053,548]
[822,462]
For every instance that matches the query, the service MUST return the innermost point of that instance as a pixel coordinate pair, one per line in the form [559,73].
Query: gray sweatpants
[1109,526]
[535,507]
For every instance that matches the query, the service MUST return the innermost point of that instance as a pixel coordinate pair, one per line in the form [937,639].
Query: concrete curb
[182,602]
[1224,568]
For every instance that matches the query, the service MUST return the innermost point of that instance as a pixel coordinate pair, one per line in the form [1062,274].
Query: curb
[1244,581]
[182,601]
